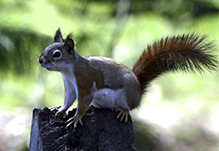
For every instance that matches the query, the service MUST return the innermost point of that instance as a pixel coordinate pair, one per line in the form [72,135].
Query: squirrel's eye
[57,54]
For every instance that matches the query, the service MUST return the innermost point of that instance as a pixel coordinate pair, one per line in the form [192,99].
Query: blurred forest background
[180,111]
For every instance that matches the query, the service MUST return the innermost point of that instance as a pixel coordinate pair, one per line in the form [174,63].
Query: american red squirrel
[106,83]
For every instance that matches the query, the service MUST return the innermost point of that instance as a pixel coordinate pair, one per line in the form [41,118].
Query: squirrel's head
[58,55]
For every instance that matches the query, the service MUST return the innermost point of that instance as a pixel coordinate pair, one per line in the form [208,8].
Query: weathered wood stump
[100,131]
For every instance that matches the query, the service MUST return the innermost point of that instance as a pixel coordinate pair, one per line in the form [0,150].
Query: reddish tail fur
[186,52]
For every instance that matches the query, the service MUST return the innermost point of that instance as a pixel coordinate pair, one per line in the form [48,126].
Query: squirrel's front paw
[58,111]
[55,109]
[74,120]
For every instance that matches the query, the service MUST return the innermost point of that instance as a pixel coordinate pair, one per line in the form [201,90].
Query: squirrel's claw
[76,119]
[123,114]
[58,111]
[55,109]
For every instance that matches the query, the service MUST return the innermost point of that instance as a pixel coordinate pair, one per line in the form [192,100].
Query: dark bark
[100,131]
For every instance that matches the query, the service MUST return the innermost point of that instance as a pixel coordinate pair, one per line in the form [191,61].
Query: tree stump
[101,130]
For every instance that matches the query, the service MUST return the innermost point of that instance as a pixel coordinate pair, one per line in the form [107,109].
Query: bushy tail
[187,53]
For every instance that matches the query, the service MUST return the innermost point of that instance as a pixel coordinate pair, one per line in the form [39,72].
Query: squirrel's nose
[41,60]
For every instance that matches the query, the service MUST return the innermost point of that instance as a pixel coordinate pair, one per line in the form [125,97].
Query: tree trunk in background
[100,131]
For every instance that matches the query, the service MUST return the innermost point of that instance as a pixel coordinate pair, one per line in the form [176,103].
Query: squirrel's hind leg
[114,99]
[109,98]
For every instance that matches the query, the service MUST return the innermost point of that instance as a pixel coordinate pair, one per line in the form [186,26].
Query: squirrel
[106,83]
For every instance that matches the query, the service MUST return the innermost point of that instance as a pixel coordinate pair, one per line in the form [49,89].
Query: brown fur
[186,52]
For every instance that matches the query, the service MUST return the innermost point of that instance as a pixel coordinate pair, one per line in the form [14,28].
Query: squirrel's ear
[58,36]
[70,44]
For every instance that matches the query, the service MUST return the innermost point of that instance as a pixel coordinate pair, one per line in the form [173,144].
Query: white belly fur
[108,98]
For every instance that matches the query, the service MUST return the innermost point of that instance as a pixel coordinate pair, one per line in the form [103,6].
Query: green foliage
[20,49]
